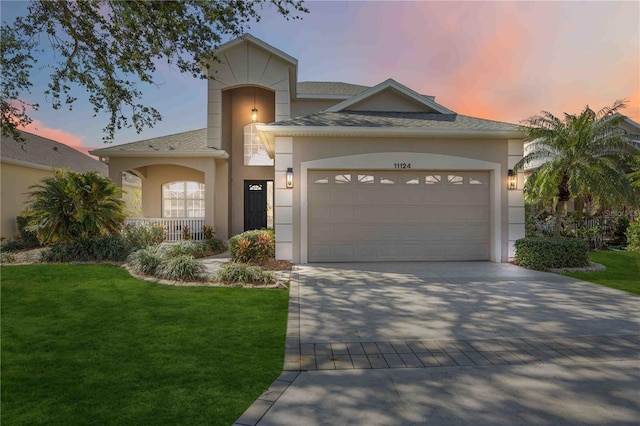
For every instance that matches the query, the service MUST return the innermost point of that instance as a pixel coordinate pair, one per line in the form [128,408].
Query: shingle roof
[329,88]
[415,120]
[48,153]
[193,141]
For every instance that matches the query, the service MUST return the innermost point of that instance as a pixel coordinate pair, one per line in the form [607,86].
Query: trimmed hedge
[544,253]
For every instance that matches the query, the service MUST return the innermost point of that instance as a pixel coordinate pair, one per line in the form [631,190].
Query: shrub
[208,232]
[238,272]
[190,248]
[214,245]
[181,268]
[145,261]
[13,245]
[252,245]
[144,235]
[108,247]
[186,233]
[544,253]
[28,237]
[633,235]
[619,236]
[71,205]
[7,257]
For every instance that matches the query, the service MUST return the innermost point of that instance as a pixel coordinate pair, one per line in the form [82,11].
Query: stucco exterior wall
[387,101]
[16,181]
[246,64]
[237,105]
[154,172]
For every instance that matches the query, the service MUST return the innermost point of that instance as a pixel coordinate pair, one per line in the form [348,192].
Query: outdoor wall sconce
[254,110]
[512,180]
[289,177]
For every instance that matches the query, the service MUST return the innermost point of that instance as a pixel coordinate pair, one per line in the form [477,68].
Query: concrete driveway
[454,344]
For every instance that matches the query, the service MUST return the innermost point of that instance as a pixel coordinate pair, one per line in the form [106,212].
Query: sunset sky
[498,60]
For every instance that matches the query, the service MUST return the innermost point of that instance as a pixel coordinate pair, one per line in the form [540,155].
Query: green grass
[623,270]
[89,344]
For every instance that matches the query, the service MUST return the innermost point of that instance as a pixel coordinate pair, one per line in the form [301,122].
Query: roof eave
[386,132]
[112,154]
[327,97]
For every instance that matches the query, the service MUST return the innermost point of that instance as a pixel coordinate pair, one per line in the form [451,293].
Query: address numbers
[401,165]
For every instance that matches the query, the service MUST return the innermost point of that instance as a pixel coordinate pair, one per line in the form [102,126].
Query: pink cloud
[76,142]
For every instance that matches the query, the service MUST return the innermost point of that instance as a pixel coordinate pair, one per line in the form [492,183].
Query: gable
[248,60]
[390,96]
[389,100]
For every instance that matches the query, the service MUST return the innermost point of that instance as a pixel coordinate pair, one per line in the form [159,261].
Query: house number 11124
[401,165]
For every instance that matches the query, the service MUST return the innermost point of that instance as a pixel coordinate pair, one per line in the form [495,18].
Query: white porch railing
[173,226]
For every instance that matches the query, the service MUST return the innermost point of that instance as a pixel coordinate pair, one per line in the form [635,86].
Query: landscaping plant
[581,156]
[544,253]
[242,273]
[633,235]
[252,245]
[70,206]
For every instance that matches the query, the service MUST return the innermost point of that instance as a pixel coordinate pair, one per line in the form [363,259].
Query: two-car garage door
[398,215]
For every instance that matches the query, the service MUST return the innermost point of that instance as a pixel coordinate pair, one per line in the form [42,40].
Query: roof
[329,88]
[190,143]
[414,120]
[42,153]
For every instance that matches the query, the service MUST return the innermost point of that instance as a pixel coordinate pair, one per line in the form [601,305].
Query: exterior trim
[111,154]
[380,161]
[29,164]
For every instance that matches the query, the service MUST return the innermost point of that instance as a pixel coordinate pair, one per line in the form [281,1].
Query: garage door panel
[392,216]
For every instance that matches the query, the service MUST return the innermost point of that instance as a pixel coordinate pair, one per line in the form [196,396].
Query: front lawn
[623,270]
[89,344]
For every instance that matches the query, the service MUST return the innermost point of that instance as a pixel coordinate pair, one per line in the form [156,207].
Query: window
[255,153]
[455,179]
[183,199]
[339,179]
[366,179]
[432,179]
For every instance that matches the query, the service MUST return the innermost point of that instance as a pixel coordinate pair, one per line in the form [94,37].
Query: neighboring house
[342,172]
[27,163]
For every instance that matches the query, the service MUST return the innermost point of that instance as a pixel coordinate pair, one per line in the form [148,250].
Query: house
[343,172]
[26,163]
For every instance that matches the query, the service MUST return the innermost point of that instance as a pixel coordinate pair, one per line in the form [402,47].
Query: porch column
[209,194]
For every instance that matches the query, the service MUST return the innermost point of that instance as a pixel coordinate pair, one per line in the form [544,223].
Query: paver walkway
[453,343]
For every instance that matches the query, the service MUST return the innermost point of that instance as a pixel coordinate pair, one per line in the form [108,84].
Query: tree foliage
[71,206]
[107,47]
[580,156]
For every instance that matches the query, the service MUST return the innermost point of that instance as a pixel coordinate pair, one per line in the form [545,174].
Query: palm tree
[73,205]
[579,156]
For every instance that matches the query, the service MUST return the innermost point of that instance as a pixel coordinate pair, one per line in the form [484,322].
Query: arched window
[183,199]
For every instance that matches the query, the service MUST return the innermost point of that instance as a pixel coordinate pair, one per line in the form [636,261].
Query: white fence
[172,226]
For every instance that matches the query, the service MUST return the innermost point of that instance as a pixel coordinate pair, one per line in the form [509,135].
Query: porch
[173,227]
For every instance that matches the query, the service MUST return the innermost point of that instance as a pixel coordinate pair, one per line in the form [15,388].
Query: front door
[255,204]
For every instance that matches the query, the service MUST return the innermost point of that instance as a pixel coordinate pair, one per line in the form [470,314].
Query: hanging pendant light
[254,110]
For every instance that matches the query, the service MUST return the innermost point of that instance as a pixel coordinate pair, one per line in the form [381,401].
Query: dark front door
[255,204]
